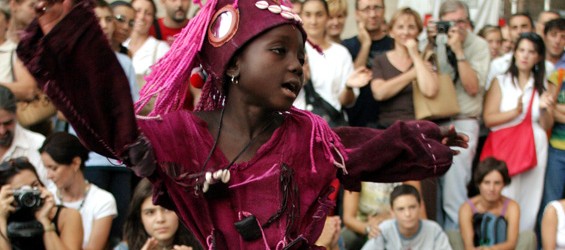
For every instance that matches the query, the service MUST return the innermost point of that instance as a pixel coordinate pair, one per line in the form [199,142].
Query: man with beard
[16,141]
[167,27]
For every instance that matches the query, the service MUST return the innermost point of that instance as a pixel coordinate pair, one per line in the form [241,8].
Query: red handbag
[514,145]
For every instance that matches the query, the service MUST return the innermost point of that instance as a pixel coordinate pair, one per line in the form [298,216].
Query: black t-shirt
[366,109]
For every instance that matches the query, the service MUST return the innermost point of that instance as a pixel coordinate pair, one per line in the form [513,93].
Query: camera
[28,197]
[443,26]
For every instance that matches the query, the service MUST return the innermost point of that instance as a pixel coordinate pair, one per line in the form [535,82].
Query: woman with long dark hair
[35,225]
[506,105]
[150,226]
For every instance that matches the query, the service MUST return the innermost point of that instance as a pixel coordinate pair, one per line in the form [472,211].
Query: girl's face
[144,14]
[61,174]
[315,18]
[404,29]
[159,222]
[25,178]
[526,55]
[494,39]
[335,24]
[270,69]
[491,186]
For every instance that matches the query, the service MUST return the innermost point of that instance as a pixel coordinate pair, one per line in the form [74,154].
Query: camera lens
[28,200]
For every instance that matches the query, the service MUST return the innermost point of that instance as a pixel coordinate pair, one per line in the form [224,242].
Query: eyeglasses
[376,8]
[122,19]
[13,163]
[458,21]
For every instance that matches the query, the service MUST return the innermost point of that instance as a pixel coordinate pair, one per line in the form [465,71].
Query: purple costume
[286,184]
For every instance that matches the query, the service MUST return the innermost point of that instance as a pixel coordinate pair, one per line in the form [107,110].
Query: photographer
[465,57]
[29,218]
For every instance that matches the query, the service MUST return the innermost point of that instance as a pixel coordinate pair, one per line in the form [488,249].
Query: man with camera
[465,57]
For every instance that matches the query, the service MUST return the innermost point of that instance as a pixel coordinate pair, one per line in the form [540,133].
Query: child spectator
[150,226]
[407,230]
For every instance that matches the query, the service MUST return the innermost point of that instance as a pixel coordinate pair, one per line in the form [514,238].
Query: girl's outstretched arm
[66,52]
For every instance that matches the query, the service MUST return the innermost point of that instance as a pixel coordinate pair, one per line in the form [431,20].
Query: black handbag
[321,107]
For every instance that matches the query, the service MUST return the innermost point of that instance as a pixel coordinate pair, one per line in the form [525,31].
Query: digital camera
[28,197]
[443,26]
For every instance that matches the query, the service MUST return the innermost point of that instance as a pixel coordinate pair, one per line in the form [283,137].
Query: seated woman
[56,227]
[553,226]
[490,178]
[150,226]
[64,156]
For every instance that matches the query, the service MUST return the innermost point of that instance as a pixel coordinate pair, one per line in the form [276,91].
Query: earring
[536,68]
[234,80]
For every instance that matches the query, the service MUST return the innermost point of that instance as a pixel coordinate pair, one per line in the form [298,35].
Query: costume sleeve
[75,66]
[404,151]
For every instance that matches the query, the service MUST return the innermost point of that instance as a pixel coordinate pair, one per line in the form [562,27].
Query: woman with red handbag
[519,109]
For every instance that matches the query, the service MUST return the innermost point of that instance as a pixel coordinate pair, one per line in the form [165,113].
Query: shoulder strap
[56,218]
[504,207]
[473,208]
[529,112]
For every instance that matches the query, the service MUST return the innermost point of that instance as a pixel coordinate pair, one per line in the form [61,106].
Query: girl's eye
[279,50]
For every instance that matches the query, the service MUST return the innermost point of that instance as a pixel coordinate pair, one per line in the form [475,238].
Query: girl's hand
[451,138]
[42,214]
[6,201]
[359,78]
[51,12]
[150,244]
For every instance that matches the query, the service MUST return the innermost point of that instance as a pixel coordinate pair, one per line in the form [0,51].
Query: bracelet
[50,228]
[368,230]
[460,59]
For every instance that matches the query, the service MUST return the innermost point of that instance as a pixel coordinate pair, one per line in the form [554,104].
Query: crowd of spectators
[367,81]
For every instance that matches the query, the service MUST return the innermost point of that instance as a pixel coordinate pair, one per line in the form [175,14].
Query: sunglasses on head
[123,19]
[13,163]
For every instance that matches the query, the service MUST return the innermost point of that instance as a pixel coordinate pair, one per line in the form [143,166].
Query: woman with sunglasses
[56,227]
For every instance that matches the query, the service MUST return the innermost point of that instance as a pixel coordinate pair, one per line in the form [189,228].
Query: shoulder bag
[514,145]
[30,113]
[442,105]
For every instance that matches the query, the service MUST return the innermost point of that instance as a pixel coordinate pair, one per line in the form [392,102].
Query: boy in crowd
[407,230]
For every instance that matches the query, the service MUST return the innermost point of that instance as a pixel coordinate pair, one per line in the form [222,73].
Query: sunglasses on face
[122,19]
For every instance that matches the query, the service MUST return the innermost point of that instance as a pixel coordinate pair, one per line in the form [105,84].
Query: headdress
[209,41]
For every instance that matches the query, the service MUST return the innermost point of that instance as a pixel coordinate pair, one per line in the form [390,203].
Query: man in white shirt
[16,141]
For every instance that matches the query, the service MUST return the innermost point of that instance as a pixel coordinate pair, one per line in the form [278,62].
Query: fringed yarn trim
[169,76]
[322,133]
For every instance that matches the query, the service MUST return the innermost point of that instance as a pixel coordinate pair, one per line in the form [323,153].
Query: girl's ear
[233,67]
